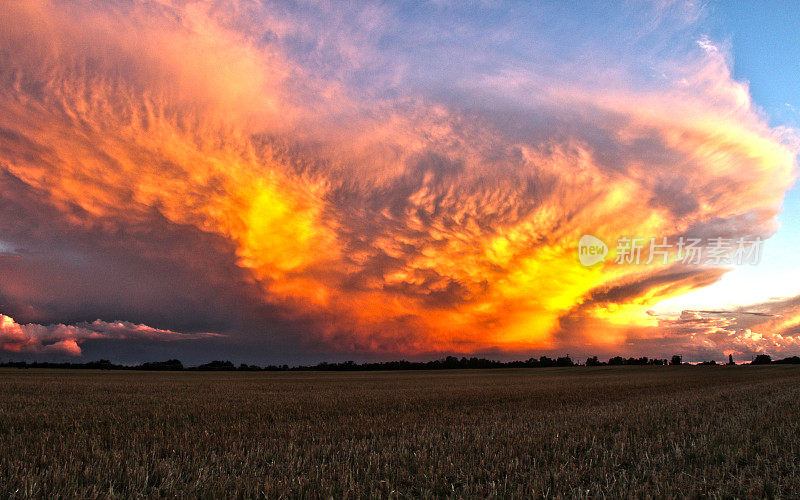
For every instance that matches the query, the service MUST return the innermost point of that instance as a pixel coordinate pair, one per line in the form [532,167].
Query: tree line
[447,363]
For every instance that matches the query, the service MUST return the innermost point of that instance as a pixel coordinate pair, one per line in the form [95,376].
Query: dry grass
[579,432]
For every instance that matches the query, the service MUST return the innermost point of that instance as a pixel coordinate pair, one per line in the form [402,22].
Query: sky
[293,181]
[762,54]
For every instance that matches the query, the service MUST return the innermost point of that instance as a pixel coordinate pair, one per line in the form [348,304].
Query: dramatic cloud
[382,178]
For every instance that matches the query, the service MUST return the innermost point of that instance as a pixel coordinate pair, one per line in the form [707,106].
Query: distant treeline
[448,363]
[765,359]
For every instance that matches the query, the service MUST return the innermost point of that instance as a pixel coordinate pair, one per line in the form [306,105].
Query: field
[572,432]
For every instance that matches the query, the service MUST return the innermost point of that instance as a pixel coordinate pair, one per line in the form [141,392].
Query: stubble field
[571,432]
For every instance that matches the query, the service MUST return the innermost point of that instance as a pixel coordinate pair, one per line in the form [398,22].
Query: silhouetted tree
[616,361]
[564,361]
[545,361]
[450,362]
[730,360]
[762,359]
[593,361]
[676,360]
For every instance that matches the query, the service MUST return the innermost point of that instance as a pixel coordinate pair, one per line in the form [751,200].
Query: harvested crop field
[571,432]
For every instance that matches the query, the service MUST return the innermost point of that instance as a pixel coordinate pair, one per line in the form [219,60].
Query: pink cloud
[66,339]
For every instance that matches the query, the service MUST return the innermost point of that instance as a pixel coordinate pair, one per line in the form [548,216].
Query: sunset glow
[363,181]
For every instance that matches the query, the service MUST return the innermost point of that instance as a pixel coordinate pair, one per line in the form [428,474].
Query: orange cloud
[393,224]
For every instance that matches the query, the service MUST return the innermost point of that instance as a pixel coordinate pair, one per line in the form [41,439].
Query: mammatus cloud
[66,339]
[390,188]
